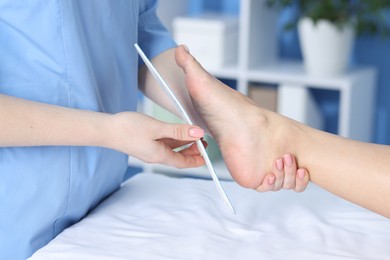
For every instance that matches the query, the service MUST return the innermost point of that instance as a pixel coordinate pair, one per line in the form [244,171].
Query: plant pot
[326,48]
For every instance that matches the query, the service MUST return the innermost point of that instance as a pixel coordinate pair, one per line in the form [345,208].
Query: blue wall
[369,50]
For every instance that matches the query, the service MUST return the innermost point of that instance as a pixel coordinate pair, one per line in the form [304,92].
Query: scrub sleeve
[75,54]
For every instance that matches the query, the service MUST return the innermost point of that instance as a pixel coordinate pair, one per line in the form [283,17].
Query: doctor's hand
[285,175]
[153,141]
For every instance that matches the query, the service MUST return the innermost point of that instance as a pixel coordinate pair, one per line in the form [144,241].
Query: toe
[186,61]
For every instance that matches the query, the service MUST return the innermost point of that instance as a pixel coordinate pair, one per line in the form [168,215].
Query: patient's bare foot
[250,138]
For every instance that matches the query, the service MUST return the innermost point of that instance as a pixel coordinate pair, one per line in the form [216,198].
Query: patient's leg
[249,140]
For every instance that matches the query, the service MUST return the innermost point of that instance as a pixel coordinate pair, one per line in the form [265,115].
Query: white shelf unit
[258,63]
[356,88]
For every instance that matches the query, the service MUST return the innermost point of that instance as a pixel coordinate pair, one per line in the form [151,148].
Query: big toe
[186,61]
[197,79]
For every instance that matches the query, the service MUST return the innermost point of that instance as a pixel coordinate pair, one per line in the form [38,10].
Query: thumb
[181,132]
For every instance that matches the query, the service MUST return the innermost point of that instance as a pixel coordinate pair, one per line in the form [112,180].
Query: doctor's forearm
[28,123]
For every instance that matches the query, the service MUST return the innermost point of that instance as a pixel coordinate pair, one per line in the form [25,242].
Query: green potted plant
[327,29]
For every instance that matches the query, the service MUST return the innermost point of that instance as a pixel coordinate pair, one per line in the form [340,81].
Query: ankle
[283,132]
[290,133]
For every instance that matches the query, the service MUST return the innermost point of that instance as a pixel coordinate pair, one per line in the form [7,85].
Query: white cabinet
[258,63]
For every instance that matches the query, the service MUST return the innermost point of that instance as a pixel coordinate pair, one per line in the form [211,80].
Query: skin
[29,123]
[285,177]
[356,171]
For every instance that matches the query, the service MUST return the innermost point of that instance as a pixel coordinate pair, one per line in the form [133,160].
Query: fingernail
[271,180]
[301,174]
[185,47]
[196,132]
[279,164]
[288,159]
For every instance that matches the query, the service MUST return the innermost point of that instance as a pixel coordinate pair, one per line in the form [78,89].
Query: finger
[290,169]
[267,184]
[279,174]
[176,159]
[180,132]
[177,144]
[181,161]
[191,150]
[173,144]
[302,180]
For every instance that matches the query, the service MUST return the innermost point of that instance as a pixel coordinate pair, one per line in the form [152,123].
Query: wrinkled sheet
[157,217]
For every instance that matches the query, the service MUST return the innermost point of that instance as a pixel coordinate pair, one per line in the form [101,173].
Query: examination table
[153,216]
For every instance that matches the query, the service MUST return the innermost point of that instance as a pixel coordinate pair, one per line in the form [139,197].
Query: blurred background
[368,50]
[325,63]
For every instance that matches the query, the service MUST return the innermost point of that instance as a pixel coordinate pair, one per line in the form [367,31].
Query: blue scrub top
[76,54]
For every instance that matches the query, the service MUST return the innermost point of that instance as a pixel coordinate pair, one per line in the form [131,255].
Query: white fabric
[158,217]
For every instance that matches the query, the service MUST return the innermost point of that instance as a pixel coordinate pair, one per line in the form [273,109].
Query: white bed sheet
[158,217]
